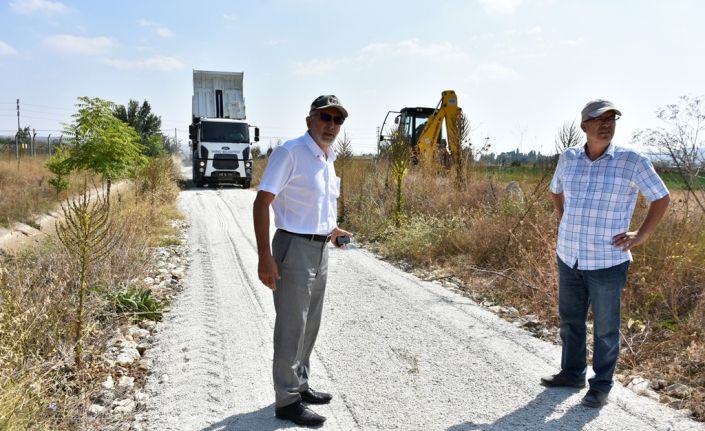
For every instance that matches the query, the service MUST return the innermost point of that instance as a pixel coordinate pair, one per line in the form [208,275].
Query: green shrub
[138,303]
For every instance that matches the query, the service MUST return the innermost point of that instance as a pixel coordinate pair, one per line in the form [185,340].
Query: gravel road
[397,353]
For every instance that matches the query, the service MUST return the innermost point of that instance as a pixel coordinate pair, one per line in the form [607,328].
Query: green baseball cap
[328,101]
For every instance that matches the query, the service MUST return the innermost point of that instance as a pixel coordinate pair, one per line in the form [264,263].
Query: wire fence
[13,147]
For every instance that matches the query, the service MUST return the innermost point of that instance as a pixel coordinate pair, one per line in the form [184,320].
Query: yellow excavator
[423,127]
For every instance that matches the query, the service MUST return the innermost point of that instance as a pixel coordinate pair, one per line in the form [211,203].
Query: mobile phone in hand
[341,240]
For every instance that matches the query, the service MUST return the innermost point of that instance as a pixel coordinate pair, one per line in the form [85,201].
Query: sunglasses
[326,118]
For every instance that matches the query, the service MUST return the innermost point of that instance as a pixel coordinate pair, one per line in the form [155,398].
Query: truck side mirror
[396,119]
[192,132]
[256,134]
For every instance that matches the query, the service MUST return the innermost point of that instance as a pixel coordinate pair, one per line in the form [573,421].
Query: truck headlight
[202,163]
[248,164]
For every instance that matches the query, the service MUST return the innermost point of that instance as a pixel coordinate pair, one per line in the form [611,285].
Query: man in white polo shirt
[300,184]
[595,190]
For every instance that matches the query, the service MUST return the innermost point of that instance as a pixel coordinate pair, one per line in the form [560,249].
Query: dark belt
[310,237]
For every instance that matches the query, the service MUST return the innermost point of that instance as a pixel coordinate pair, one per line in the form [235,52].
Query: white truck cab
[219,132]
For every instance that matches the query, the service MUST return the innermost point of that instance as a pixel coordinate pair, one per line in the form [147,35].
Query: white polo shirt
[305,187]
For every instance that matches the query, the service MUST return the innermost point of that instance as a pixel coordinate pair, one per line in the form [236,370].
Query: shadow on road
[261,420]
[535,415]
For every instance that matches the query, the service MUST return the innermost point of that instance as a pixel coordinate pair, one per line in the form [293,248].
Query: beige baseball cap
[597,107]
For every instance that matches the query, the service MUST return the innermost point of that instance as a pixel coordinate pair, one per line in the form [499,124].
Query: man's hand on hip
[628,240]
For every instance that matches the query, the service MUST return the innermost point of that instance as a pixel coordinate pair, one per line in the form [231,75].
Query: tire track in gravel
[187,344]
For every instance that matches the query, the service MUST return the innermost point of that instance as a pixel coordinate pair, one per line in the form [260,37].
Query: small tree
[569,135]
[256,152]
[87,236]
[344,155]
[681,142]
[102,143]
[59,165]
[399,152]
[461,132]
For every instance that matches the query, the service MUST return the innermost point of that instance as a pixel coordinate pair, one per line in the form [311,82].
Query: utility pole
[34,137]
[49,144]
[377,139]
[17,136]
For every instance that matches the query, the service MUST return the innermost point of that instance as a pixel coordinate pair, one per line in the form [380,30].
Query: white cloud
[79,45]
[493,72]
[162,31]
[153,63]
[229,17]
[535,30]
[315,67]
[501,6]
[411,49]
[31,6]
[146,23]
[443,52]
[6,49]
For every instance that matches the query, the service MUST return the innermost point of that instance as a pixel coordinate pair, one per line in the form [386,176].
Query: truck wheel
[197,179]
[246,184]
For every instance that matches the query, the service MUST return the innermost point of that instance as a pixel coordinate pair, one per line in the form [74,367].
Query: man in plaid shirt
[594,190]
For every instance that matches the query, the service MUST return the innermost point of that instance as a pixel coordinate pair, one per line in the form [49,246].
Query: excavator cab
[424,128]
[413,121]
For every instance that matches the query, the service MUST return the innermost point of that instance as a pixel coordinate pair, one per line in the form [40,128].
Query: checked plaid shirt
[599,197]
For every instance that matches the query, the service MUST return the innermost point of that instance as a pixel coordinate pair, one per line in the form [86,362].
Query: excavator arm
[447,111]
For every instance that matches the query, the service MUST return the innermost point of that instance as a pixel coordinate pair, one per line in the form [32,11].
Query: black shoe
[300,415]
[594,399]
[559,380]
[314,397]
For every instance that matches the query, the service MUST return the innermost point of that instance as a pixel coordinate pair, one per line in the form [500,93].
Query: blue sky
[521,68]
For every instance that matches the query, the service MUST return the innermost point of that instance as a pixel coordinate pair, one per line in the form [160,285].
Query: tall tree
[147,124]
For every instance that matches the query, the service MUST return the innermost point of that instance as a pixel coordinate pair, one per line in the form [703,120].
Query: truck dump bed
[218,95]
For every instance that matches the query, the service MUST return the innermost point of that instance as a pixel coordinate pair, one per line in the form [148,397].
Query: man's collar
[608,152]
[318,151]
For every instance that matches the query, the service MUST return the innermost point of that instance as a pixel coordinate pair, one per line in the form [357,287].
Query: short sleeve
[278,171]
[556,186]
[648,181]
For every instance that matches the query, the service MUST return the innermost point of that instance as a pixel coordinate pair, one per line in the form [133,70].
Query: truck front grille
[225,161]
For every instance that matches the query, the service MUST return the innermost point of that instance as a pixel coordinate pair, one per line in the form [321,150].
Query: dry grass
[40,386]
[26,192]
[482,231]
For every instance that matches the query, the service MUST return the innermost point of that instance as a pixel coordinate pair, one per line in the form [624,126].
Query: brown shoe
[315,397]
[560,380]
[300,415]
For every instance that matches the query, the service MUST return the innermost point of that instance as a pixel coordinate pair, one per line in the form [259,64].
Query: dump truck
[219,132]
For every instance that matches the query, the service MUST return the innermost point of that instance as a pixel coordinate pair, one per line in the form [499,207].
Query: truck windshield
[224,132]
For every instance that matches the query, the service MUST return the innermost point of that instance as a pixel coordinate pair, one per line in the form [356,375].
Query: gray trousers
[298,301]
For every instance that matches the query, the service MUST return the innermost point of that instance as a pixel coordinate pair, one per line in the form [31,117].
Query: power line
[49,107]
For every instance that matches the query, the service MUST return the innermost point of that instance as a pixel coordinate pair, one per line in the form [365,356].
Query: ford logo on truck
[225,148]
